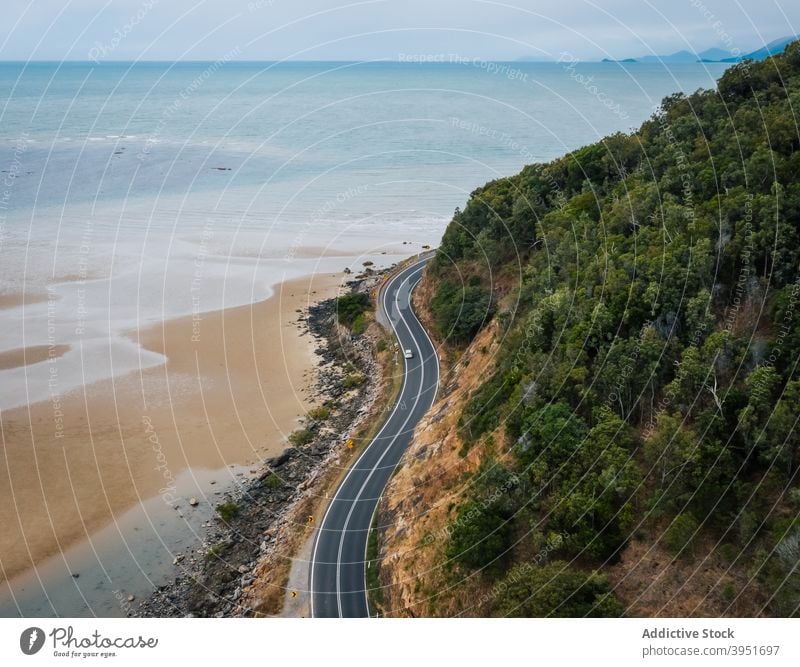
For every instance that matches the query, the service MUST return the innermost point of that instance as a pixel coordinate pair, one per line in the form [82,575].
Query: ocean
[274,143]
[126,176]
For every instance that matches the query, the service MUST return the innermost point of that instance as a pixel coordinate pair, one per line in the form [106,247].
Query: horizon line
[518,61]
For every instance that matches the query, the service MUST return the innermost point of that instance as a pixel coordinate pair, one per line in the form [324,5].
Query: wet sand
[130,556]
[15,300]
[30,355]
[233,388]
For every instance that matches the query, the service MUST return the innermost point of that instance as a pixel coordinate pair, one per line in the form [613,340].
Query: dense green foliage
[459,312]
[680,533]
[647,290]
[481,535]
[555,590]
[350,309]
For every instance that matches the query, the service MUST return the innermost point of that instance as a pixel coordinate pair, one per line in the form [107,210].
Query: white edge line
[382,456]
[433,402]
[333,500]
[384,293]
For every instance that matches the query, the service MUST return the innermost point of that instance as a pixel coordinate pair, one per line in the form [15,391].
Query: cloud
[339,30]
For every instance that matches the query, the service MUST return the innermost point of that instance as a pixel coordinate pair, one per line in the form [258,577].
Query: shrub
[728,593]
[353,381]
[350,306]
[301,437]
[553,433]
[359,325]
[486,405]
[228,511]
[273,482]
[680,533]
[320,414]
[215,552]
[374,588]
[782,577]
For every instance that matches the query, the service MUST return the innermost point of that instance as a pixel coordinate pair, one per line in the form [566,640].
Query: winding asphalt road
[337,579]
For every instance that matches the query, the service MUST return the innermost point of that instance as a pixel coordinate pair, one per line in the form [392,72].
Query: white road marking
[376,466]
[355,466]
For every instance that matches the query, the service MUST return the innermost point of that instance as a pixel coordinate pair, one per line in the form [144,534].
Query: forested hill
[645,388]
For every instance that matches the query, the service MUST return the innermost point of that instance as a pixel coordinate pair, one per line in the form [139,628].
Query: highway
[337,573]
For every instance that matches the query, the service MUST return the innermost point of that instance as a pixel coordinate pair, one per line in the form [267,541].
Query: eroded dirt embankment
[420,499]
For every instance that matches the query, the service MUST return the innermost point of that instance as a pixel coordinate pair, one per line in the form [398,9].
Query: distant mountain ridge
[717,55]
[711,55]
[773,48]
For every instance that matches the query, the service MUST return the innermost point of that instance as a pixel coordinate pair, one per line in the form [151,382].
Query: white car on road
[408,354]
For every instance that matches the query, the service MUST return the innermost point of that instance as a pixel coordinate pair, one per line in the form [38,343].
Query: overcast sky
[393,29]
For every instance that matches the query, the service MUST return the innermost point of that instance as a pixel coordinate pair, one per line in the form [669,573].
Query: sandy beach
[232,389]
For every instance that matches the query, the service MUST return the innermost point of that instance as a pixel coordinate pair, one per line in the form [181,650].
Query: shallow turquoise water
[406,141]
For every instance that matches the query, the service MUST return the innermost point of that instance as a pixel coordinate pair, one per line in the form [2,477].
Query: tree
[553,433]
[479,537]
[761,385]
[460,312]
[681,533]
[594,505]
[554,590]
[672,454]
[780,445]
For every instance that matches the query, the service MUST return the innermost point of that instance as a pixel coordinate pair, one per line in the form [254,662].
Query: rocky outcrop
[245,557]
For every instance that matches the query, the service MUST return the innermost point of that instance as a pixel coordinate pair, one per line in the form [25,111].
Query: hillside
[618,431]
[771,49]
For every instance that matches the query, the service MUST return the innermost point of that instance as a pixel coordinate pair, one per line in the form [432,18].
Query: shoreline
[243,563]
[224,398]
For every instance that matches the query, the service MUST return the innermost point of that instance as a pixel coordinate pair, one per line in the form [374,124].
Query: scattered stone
[231,551]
